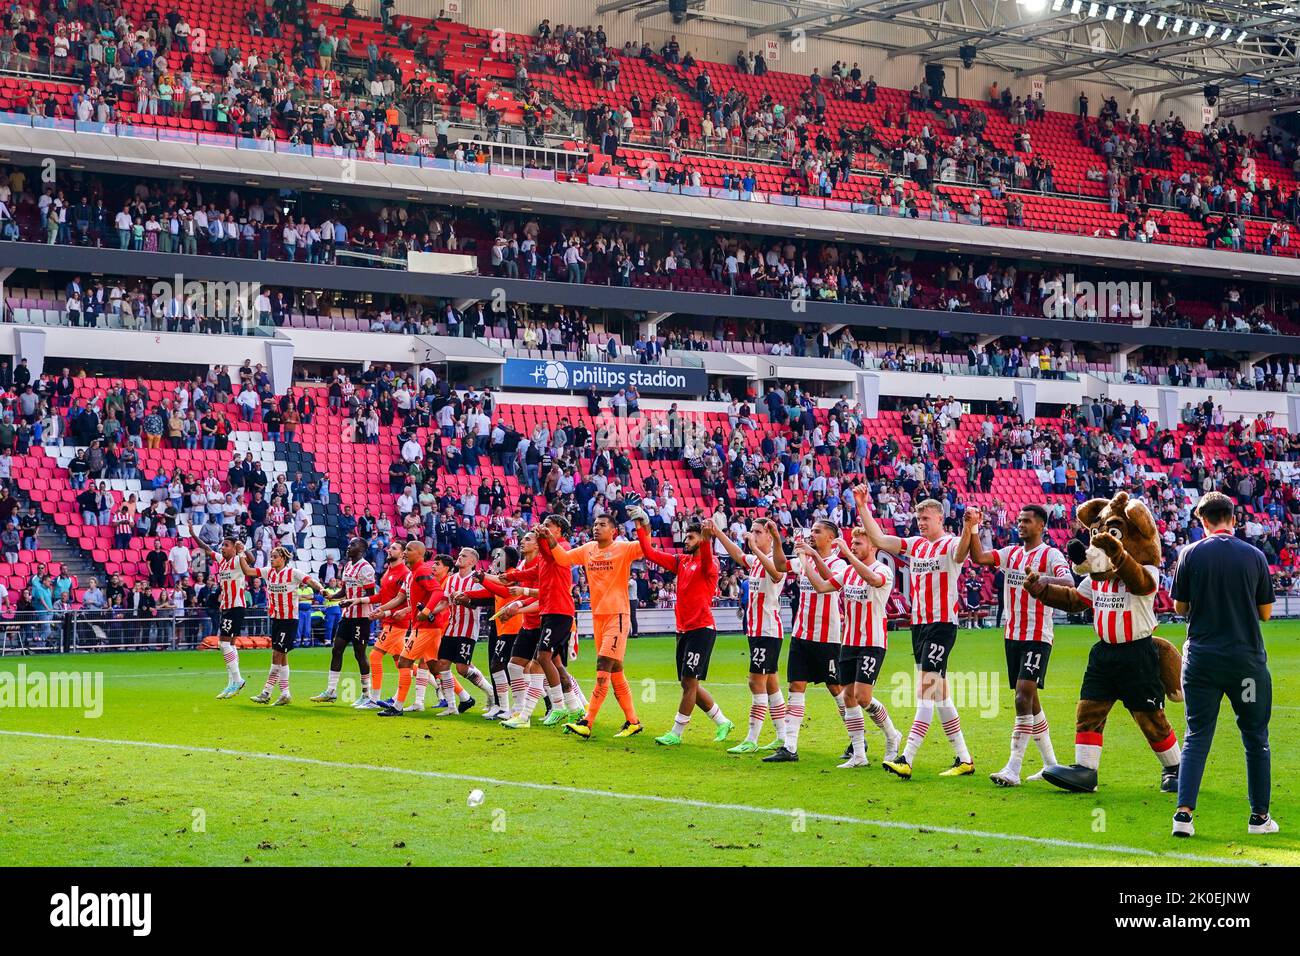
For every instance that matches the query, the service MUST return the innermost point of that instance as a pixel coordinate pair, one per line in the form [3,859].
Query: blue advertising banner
[557,375]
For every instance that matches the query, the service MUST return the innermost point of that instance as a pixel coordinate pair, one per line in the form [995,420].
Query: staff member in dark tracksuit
[1223,587]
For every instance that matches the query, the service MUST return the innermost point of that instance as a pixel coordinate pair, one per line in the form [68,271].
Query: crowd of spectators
[778,454]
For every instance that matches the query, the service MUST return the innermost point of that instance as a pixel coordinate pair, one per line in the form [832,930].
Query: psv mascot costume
[1121,568]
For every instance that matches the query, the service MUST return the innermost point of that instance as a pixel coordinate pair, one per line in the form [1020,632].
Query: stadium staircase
[43,476]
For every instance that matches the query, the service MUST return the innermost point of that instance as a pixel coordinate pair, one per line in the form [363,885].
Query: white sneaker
[1183,827]
[448,712]
[282,700]
[417,706]
[1036,776]
[1268,826]
[854,761]
[494,713]
[362,702]
[1006,777]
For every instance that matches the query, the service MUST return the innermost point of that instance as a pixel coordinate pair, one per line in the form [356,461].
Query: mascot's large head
[1117,527]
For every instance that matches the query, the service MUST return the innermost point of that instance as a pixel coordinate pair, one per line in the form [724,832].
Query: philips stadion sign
[553,374]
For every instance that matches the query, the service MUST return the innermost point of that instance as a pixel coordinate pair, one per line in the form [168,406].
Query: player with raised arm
[815,637]
[766,567]
[233,572]
[282,583]
[356,582]
[456,647]
[865,591]
[503,626]
[936,562]
[608,561]
[1029,628]
[697,573]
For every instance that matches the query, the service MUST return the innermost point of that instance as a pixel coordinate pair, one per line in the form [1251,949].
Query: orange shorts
[611,632]
[422,643]
[390,640]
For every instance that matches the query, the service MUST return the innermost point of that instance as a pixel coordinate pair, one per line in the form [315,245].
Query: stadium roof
[1246,48]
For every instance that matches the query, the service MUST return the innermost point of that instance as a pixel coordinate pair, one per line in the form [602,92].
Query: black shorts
[932,646]
[458,650]
[353,630]
[861,665]
[813,662]
[232,624]
[500,650]
[554,637]
[1027,660]
[1125,672]
[283,634]
[764,655]
[694,648]
[525,645]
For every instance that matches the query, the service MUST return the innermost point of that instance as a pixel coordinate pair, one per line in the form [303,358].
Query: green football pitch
[168,775]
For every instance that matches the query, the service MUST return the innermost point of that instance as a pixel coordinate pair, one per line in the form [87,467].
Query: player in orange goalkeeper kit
[608,562]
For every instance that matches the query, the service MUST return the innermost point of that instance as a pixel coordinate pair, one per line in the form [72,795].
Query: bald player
[423,597]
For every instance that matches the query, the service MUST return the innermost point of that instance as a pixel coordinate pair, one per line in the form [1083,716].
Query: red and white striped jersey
[817,617]
[282,592]
[358,579]
[234,583]
[763,606]
[932,579]
[1119,617]
[865,616]
[464,619]
[1028,619]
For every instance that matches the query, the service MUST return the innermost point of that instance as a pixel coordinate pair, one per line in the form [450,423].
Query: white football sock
[757,714]
[793,721]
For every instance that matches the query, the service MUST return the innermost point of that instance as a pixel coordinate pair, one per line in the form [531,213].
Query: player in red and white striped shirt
[863,585]
[282,583]
[767,568]
[232,571]
[1029,629]
[356,582]
[815,637]
[936,561]
[457,644]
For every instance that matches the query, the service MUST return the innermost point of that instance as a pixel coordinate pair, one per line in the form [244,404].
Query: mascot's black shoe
[1075,778]
[1169,780]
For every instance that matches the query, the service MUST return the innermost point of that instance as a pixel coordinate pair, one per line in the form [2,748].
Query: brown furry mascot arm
[1055,595]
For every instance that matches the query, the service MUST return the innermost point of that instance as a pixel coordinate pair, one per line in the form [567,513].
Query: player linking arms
[233,572]
[608,562]
[357,584]
[282,583]
[423,597]
[864,584]
[767,568]
[697,585]
[1029,629]
[503,626]
[552,586]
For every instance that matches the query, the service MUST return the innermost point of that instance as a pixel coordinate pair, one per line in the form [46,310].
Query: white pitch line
[647,798]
